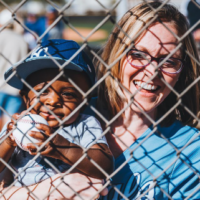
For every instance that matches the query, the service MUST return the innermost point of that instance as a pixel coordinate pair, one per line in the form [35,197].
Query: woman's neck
[127,129]
[133,122]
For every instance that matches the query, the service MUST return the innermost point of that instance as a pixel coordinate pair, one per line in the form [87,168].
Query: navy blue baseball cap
[61,50]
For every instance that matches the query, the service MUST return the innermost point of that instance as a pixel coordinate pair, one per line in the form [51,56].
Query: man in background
[13,48]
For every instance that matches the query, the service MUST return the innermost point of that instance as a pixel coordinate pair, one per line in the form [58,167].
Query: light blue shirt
[155,167]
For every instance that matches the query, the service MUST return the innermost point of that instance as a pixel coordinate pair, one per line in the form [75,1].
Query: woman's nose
[151,68]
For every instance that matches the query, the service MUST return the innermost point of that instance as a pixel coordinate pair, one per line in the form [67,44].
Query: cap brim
[24,69]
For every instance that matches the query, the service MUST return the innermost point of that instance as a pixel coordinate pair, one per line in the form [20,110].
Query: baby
[59,99]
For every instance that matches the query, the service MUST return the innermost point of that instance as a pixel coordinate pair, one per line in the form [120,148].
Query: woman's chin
[149,109]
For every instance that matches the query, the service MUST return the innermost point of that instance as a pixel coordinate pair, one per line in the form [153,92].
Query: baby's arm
[70,153]
[6,178]
[6,151]
[8,144]
[100,153]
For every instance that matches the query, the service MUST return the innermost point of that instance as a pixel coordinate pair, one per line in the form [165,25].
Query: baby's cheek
[36,108]
[72,117]
[70,106]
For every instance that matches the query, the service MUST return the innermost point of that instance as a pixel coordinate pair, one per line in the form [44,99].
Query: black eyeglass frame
[154,59]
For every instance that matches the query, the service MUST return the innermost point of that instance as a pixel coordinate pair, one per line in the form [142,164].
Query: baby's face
[61,97]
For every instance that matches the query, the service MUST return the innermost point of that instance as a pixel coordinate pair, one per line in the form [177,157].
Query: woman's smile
[146,89]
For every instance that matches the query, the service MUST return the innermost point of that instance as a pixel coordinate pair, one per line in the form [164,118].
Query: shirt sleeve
[85,132]
[91,132]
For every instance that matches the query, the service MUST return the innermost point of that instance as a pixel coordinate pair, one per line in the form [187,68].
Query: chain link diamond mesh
[86,46]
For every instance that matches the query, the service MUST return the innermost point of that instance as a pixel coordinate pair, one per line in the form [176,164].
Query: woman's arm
[87,188]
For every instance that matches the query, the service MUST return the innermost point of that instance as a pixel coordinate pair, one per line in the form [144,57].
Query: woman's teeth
[146,86]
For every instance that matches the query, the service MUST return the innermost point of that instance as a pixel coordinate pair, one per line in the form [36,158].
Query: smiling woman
[158,42]
[155,153]
[158,45]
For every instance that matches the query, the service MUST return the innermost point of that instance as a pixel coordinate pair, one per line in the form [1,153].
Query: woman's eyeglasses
[140,59]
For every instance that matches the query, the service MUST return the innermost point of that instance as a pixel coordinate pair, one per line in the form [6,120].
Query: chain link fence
[109,15]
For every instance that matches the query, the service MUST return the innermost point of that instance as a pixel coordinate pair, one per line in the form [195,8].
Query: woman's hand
[70,188]
[84,186]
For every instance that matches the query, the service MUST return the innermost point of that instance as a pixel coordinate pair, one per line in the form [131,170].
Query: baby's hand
[44,147]
[10,139]
[11,125]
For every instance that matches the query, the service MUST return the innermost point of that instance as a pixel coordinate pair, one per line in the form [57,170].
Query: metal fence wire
[85,45]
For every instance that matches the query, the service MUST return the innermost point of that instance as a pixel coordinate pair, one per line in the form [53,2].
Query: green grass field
[90,23]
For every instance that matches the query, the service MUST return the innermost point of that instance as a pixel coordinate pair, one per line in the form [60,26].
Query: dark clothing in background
[193,14]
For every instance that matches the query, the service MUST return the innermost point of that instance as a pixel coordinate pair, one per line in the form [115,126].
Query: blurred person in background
[194,17]
[31,23]
[39,24]
[57,31]
[191,9]
[12,49]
